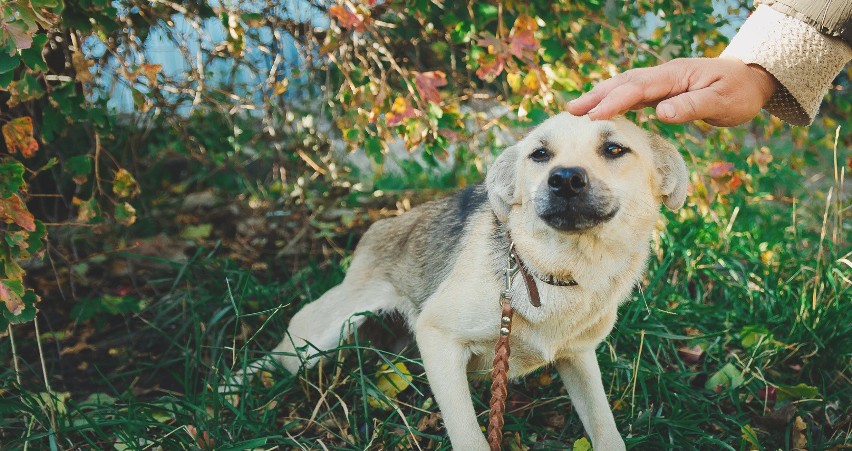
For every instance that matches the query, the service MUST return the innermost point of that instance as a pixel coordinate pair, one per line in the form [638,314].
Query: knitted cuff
[803,60]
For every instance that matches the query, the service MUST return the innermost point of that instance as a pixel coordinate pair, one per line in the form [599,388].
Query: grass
[757,285]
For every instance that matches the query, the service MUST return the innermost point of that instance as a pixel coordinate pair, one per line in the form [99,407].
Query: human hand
[721,91]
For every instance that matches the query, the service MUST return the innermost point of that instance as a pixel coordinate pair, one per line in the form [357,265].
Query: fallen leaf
[727,376]
[428,83]
[797,435]
[767,395]
[797,391]
[196,232]
[18,134]
[202,439]
[13,210]
[391,381]
[750,436]
[582,444]
[691,355]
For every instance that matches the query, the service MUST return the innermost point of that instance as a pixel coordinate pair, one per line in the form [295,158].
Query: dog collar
[551,280]
[529,281]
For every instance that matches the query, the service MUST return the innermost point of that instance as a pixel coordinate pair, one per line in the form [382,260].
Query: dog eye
[613,150]
[540,155]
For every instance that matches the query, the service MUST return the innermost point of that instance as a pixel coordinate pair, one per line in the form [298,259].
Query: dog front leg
[445,361]
[582,378]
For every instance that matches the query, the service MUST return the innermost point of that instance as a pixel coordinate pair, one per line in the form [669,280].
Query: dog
[580,199]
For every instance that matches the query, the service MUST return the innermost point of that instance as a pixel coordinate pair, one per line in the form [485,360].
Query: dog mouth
[578,213]
[575,221]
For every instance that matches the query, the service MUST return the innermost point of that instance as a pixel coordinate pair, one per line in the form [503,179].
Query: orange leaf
[13,302]
[428,83]
[346,18]
[150,72]
[18,134]
[490,67]
[523,37]
[14,210]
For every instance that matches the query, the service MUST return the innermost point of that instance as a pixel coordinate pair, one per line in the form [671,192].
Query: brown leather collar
[529,280]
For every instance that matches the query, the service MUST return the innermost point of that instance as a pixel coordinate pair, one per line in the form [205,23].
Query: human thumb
[689,106]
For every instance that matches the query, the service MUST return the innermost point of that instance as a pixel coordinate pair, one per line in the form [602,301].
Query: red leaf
[720,169]
[400,111]
[428,83]
[18,31]
[18,134]
[767,394]
[490,67]
[522,38]
[346,18]
[14,210]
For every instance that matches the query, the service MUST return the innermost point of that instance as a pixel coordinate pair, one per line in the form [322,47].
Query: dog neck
[525,270]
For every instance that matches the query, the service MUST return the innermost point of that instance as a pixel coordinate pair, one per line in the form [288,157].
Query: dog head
[573,174]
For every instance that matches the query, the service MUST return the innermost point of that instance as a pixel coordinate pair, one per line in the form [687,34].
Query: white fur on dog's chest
[534,345]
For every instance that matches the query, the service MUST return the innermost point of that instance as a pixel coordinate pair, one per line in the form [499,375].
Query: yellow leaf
[514,81]
[582,445]
[391,381]
[750,436]
[18,134]
[531,81]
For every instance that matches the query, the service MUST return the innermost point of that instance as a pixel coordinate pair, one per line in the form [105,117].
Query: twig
[14,356]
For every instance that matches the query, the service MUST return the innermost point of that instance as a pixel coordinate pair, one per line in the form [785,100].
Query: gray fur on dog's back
[416,251]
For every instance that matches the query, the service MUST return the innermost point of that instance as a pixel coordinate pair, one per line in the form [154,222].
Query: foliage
[190,223]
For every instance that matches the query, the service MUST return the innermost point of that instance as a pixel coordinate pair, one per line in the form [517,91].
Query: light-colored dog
[581,199]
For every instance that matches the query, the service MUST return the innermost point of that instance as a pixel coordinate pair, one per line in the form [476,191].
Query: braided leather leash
[500,373]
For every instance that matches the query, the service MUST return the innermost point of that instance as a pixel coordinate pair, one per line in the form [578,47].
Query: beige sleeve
[803,60]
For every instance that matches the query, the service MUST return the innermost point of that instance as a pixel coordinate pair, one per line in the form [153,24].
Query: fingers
[581,105]
[634,89]
[689,106]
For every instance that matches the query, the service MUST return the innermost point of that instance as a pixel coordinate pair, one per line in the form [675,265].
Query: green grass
[764,292]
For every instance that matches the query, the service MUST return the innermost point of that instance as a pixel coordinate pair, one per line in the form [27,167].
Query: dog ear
[500,182]
[672,175]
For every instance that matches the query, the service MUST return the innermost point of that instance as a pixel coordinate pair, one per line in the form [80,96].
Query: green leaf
[752,335]
[8,63]
[374,149]
[728,376]
[11,178]
[196,232]
[79,167]
[125,214]
[32,56]
[52,123]
[797,391]
[582,444]
[124,185]
[6,79]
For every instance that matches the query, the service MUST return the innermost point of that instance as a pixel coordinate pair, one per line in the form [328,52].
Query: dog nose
[567,182]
